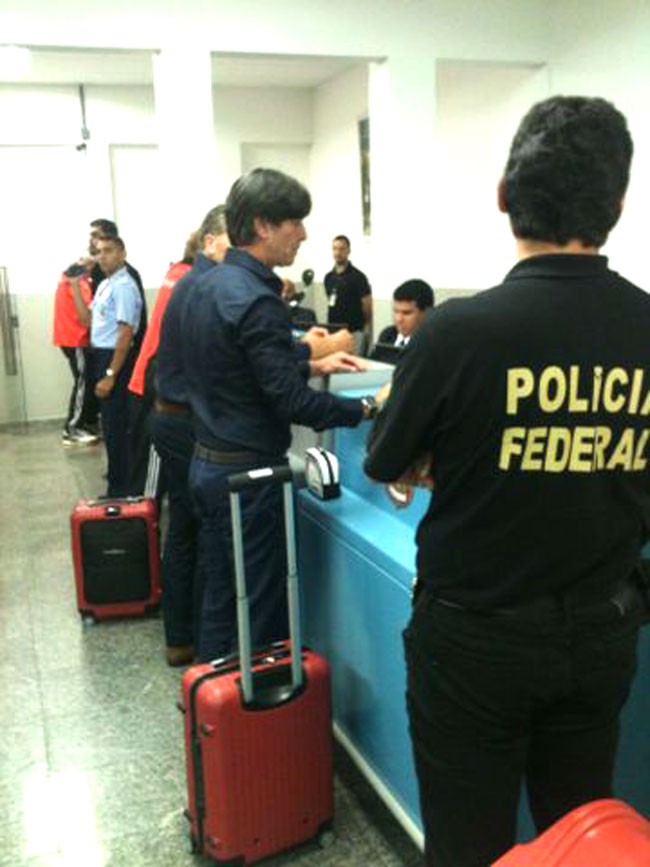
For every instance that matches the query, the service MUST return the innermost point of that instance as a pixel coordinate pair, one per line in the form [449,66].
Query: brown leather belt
[172,408]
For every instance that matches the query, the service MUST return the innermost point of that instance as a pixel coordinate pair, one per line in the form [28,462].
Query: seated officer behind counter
[246,388]
[532,399]
[411,300]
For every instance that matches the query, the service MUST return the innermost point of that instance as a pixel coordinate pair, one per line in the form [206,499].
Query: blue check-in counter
[357,562]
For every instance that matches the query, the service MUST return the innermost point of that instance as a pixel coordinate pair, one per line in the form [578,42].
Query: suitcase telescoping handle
[237,483]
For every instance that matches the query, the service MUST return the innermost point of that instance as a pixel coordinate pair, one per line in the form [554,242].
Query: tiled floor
[91,757]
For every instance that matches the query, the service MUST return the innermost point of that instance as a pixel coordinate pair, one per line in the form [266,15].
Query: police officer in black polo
[349,298]
[246,388]
[531,401]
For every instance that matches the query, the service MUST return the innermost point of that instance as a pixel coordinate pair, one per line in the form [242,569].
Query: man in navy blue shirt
[246,388]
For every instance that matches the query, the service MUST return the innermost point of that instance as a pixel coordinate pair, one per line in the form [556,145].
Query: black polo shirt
[344,293]
[533,399]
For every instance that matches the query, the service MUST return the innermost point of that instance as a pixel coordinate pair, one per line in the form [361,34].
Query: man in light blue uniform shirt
[114,316]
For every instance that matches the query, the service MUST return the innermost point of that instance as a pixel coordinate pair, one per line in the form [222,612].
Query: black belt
[212,456]
[168,408]
[624,596]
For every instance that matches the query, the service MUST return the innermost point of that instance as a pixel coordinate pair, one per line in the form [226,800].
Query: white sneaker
[83,438]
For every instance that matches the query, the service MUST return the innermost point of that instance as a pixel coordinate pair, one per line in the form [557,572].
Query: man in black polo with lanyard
[531,401]
[246,387]
[349,298]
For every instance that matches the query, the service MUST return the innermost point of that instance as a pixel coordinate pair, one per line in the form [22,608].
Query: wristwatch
[109,372]
[370,406]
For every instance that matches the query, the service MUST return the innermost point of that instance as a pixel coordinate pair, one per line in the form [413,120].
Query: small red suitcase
[604,833]
[258,737]
[116,557]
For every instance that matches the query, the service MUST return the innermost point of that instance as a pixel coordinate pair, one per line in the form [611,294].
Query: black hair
[267,194]
[568,170]
[114,239]
[214,223]
[415,290]
[342,238]
[107,227]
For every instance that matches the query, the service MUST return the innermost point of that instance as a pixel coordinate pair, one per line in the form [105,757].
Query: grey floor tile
[22,697]
[24,747]
[92,766]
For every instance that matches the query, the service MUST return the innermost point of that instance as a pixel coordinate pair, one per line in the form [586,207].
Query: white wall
[604,50]
[51,191]
[436,131]
[478,108]
[336,173]
[256,115]
[501,29]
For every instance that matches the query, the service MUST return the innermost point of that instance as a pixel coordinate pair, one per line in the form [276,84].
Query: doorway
[43,227]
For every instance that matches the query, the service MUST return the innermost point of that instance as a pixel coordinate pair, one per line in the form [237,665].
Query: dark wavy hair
[567,172]
[265,193]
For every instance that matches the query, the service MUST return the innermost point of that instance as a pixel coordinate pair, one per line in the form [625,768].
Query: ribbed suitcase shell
[116,557]
[259,781]
[604,833]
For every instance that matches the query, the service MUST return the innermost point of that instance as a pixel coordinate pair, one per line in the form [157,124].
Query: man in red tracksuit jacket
[71,336]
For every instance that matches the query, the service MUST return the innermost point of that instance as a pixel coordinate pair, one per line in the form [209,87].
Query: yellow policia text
[576,448]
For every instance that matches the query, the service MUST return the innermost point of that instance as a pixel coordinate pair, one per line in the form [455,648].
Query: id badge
[332,299]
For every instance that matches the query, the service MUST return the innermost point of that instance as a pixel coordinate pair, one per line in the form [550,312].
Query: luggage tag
[322,473]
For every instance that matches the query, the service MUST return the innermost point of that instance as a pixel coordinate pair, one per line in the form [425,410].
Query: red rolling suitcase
[258,738]
[603,833]
[116,557]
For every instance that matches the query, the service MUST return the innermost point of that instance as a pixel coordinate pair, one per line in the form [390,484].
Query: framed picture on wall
[364,153]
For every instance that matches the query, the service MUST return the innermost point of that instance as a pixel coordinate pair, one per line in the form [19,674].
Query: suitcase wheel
[194,846]
[87,619]
[326,837]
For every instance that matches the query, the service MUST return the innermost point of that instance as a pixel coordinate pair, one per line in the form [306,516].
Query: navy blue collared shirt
[244,381]
[170,378]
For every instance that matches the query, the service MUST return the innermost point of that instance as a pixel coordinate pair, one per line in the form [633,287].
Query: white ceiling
[59,66]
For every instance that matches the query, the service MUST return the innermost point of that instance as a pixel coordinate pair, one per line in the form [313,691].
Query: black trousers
[143,478]
[173,437]
[115,421]
[496,699]
[82,403]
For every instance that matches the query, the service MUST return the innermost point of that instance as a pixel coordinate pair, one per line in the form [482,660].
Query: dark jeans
[173,438]
[82,402]
[498,698]
[115,421]
[264,559]
[140,459]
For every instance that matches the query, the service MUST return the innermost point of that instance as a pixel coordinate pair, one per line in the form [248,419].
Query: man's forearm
[366,310]
[82,309]
[122,346]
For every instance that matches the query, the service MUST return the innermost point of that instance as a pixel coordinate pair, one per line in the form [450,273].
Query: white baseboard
[381,788]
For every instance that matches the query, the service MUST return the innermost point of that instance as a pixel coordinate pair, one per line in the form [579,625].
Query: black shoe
[178,655]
